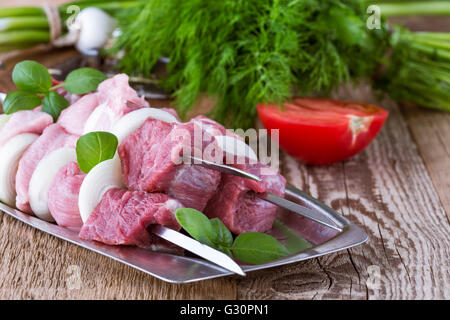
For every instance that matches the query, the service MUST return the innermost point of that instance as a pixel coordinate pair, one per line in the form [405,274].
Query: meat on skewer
[149,153]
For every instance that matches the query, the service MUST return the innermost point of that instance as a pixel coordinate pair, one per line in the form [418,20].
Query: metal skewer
[198,248]
[268,196]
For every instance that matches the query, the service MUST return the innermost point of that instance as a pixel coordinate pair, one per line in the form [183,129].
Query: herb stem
[58,86]
[437,52]
[111,7]
[24,36]
[21,11]
[23,22]
[429,8]
[444,36]
[438,44]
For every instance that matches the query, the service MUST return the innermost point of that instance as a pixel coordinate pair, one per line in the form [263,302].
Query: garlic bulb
[95,28]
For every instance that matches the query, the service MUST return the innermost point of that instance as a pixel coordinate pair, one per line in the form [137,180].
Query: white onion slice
[92,121]
[43,177]
[236,147]
[135,119]
[10,154]
[104,176]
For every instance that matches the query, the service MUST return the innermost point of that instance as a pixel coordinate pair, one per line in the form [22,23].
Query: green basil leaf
[84,80]
[53,104]
[293,242]
[32,76]
[257,248]
[95,147]
[20,100]
[196,224]
[223,235]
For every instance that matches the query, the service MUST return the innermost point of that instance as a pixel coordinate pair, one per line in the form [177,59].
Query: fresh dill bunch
[245,52]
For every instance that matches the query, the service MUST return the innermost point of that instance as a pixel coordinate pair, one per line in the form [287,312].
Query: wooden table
[397,190]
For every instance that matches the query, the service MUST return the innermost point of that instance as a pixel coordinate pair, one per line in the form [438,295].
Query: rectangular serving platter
[306,239]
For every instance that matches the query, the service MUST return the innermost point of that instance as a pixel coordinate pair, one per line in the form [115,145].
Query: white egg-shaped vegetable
[101,178]
[135,119]
[235,146]
[43,177]
[10,154]
[96,27]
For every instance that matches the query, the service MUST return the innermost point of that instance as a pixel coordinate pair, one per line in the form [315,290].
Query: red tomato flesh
[322,131]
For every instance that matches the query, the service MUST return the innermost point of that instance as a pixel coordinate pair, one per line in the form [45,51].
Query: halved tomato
[322,131]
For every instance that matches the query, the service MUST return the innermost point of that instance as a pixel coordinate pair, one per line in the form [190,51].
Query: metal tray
[305,238]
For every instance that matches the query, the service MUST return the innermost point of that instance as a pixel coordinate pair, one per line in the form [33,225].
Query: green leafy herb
[251,247]
[257,248]
[249,52]
[83,80]
[196,224]
[32,76]
[223,235]
[419,69]
[294,243]
[34,81]
[95,147]
[53,104]
[20,100]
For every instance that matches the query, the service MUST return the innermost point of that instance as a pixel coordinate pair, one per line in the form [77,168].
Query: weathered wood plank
[386,190]
[431,132]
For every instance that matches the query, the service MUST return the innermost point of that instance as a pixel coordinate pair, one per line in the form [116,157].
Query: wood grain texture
[386,189]
[431,132]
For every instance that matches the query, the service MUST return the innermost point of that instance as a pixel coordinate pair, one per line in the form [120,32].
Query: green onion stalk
[418,69]
[22,27]
[408,8]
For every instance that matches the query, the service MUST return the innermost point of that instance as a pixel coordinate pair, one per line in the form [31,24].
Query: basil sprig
[257,248]
[250,247]
[83,80]
[53,104]
[20,100]
[95,147]
[35,87]
[31,76]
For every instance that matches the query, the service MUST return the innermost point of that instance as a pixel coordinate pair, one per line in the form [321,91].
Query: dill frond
[245,52]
